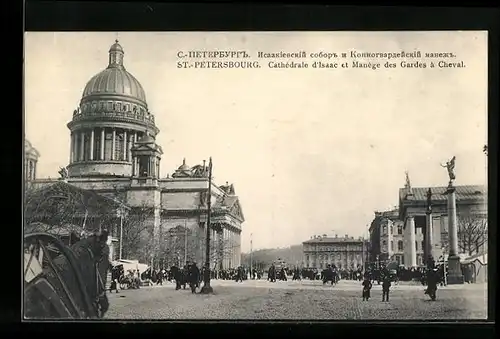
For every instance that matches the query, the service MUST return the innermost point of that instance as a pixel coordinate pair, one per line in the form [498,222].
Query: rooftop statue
[199,171]
[450,166]
[63,172]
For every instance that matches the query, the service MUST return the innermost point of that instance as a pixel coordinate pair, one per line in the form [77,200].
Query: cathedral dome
[115,80]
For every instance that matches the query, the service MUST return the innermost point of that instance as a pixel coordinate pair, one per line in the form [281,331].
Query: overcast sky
[309,151]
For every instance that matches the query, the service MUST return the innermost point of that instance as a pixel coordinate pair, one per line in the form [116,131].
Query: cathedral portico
[425,212]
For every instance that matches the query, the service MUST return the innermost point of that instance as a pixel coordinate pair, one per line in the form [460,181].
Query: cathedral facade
[113,151]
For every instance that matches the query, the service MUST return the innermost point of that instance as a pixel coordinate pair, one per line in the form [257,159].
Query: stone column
[130,141]
[412,251]
[428,257]
[75,147]
[103,140]
[92,144]
[113,145]
[226,249]
[71,148]
[454,270]
[125,146]
[82,146]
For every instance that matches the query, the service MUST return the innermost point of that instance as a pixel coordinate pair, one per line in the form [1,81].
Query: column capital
[410,218]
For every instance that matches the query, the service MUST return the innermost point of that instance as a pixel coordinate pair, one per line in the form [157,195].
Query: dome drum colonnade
[112,117]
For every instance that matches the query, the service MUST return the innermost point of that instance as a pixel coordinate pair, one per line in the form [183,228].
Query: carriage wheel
[42,248]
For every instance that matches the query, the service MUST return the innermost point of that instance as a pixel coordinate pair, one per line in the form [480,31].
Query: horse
[70,282]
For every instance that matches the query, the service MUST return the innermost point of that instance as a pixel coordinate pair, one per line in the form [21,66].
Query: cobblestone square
[308,300]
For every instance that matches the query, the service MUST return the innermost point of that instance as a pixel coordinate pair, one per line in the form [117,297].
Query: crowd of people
[192,276]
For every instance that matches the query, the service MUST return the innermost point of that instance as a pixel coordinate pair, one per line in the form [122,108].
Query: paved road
[298,300]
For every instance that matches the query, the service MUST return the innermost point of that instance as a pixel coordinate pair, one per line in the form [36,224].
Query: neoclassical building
[113,151]
[345,252]
[399,235]
[471,202]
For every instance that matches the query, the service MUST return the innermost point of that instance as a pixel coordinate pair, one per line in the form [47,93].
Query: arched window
[384,229]
[392,245]
[108,145]
[119,155]
[392,229]
[400,229]
[400,245]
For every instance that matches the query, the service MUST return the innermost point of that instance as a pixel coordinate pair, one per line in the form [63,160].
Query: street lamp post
[185,241]
[444,266]
[121,234]
[206,286]
[251,253]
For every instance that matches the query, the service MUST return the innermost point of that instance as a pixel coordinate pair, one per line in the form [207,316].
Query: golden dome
[115,80]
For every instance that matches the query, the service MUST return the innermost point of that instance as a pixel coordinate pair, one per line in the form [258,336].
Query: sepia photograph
[255,175]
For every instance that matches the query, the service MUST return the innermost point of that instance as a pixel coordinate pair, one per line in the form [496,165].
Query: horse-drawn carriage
[65,282]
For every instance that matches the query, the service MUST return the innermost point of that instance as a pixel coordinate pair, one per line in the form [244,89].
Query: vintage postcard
[256,175]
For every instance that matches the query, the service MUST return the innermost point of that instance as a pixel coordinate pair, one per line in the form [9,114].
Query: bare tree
[472,233]
[137,236]
[61,205]
[220,250]
[179,243]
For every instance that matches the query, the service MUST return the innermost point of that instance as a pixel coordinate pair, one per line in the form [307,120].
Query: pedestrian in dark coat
[367,286]
[386,285]
[177,275]
[194,277]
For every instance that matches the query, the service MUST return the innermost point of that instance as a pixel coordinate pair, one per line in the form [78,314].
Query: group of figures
[432,280]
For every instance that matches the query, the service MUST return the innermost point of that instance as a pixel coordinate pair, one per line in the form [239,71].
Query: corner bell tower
[146,157]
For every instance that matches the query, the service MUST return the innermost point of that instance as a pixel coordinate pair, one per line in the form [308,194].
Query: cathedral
[113,152]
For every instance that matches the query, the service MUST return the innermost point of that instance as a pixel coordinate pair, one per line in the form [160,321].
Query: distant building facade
[345,252]
[387,239]
[113,151]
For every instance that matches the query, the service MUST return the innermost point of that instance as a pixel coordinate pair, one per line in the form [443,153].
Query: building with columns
[471,201]
[400,234]
[344,252]
[113,151]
